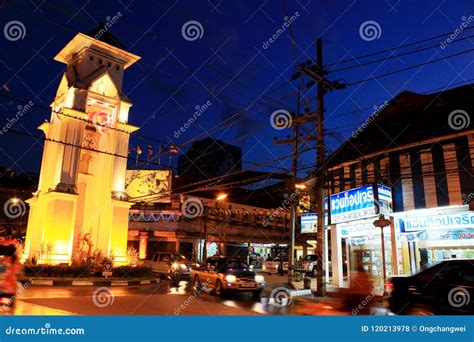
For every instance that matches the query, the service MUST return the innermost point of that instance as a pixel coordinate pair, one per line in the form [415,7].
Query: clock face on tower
[90,140]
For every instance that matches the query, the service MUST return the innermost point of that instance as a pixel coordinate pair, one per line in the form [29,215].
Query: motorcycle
[175,274]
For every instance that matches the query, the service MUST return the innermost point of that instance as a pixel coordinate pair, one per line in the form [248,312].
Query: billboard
[148,185]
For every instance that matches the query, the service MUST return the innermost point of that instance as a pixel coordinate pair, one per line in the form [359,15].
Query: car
[227,274]
[276,265]
[164,262]
[443,288]
[308,266]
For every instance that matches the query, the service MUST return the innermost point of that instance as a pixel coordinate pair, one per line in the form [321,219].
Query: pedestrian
[359,297]
[10,269]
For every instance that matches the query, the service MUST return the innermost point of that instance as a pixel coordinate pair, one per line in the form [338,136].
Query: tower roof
[104,42]
[101,33]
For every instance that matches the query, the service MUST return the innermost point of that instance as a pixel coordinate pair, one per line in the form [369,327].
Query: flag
[139,150]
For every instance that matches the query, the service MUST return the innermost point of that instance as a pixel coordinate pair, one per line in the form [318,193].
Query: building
[80,196]
[200,223]
[413,160]
[208,158]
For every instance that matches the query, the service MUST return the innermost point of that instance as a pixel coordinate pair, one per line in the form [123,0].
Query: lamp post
[222,246]
[382,222]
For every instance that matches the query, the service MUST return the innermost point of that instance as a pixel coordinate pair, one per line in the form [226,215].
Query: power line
[395,48]
[394,56]
[409,68]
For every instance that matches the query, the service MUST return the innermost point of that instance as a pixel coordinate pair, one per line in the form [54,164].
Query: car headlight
[183,266]
[259,278]
[230,278]
[175,265]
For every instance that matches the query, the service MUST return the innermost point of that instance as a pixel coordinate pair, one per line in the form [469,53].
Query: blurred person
[358,298]
[10,269]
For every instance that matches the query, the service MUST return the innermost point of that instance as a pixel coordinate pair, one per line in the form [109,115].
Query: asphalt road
[161,299]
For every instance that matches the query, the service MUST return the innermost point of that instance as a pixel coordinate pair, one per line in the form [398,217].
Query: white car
[276,265]
[164,262]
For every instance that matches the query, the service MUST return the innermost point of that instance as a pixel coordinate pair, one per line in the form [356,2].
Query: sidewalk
[29,309]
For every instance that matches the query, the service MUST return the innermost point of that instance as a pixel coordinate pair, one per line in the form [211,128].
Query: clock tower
[81,192]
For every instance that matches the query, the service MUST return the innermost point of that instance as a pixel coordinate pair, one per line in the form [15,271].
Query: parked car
[277,265]
[164,262]
[443,288]
[308,265]
[227,274]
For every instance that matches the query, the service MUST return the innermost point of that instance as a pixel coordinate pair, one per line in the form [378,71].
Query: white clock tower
[81,192]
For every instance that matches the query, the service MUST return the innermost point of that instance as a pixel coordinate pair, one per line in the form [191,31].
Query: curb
[50,282]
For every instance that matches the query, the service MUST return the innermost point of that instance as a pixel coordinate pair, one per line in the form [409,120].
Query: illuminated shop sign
[448,221]
[359,203]
[440,235]
[385,193]
[309,221]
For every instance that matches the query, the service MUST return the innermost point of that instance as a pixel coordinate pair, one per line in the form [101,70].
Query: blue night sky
[229,67]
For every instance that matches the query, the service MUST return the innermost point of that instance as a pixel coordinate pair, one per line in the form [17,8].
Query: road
[160,299]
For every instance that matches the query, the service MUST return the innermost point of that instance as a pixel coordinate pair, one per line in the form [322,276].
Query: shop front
[355,241]
[428,236]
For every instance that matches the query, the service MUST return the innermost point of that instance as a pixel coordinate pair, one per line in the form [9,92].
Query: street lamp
[222,246]
[382,222]
[221,197]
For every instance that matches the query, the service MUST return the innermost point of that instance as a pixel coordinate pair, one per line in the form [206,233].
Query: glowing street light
[221,197]
[300,186]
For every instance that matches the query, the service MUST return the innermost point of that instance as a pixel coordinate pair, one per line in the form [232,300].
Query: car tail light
[388,287]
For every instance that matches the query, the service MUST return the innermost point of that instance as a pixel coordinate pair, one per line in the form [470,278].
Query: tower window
[91,58]
[100,61]
[109,65]
[117,67]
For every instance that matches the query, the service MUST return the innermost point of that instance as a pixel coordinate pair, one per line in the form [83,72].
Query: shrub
[57,271]
[131,272]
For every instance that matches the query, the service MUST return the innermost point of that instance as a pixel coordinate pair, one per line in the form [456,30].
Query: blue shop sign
[353,204]
[447,221]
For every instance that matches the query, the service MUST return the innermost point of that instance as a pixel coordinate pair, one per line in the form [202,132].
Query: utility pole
[320,175]
[294,170]
[318,76]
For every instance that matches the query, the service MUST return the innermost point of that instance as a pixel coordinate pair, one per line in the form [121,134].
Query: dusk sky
[232,65]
